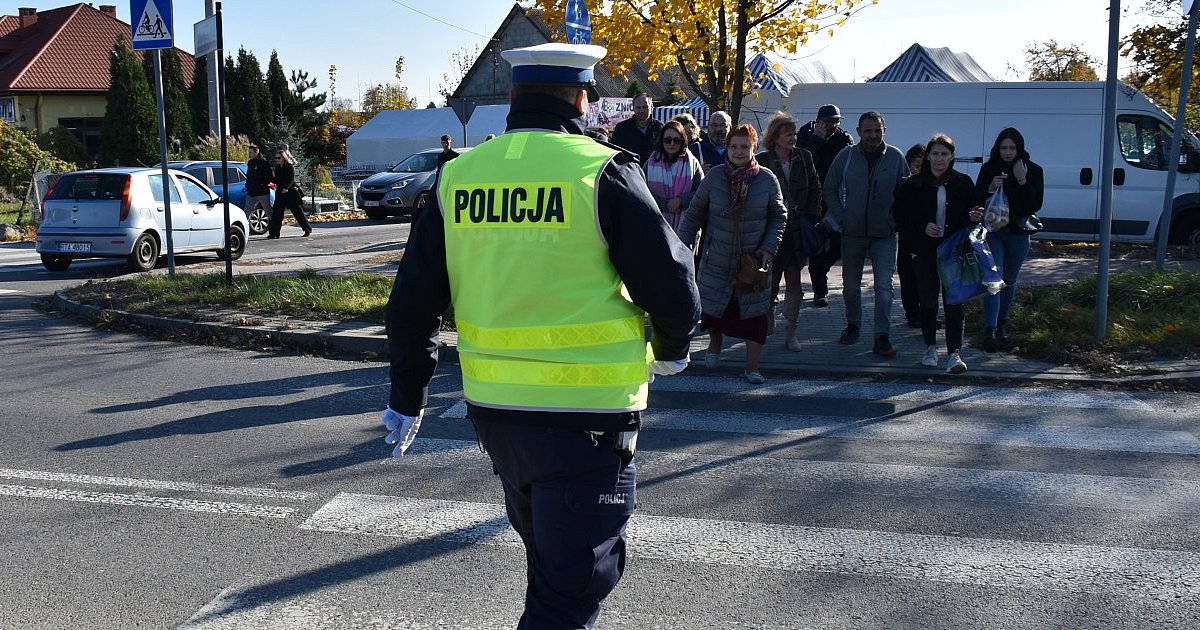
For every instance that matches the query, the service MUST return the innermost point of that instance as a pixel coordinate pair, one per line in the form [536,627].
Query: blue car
[209,174]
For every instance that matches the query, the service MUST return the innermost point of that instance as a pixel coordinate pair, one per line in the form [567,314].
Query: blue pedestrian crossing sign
[152,24]
[578,23]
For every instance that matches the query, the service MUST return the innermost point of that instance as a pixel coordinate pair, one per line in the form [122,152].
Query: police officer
[552,250]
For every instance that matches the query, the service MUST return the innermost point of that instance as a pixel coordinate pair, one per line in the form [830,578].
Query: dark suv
[403,189]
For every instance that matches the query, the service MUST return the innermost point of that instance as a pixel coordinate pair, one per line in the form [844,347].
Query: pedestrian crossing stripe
[1076,568]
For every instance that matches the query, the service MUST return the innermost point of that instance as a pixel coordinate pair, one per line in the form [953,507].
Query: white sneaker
[931,357]
[956,365]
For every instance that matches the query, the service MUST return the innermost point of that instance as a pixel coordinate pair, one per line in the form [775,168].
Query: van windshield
[90,186]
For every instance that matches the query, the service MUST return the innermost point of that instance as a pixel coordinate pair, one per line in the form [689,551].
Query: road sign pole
[1164,221]
[162,154]
[1107,147]
[224,149]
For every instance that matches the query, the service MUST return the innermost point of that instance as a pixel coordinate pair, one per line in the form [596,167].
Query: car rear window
[90,186]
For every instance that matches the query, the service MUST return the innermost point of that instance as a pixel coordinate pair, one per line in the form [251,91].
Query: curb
[367,341]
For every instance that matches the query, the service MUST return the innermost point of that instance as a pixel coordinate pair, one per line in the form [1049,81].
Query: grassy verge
[306,295]
[1151,315]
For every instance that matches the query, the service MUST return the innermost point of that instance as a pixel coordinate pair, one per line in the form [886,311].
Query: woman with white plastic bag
[1008,171]
[930,206]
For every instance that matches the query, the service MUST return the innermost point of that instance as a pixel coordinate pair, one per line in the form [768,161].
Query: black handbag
[1027,225]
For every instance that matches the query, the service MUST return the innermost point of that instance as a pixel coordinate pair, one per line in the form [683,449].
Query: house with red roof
[54,68]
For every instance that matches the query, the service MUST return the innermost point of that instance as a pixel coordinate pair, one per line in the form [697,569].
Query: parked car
[403,189]
[209,174]
[119,213]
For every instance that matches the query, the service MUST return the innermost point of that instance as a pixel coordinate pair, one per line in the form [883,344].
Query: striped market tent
[770,71]
[694,106]
[936,65]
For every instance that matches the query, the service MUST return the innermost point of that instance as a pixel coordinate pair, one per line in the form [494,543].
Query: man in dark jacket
[447,153]
[258,176]
[554,387]
[824,138]
[712,142]
[639,134]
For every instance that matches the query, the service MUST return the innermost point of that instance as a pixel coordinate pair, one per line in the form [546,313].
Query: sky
[363,38]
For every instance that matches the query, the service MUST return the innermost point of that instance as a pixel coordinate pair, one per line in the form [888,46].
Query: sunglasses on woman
[672,140]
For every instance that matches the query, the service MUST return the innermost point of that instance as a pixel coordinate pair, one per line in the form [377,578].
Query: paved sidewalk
[819,328]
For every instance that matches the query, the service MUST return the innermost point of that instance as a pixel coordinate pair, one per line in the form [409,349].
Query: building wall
[41,113]
[520,33]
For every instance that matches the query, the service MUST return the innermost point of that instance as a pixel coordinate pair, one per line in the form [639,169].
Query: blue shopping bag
[966,267]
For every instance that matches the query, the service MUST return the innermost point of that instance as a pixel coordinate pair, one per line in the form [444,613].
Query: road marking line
[152,484]
[220,507]
[4,291]
[977,561]
[914,428]
[919,393]
[1168,496]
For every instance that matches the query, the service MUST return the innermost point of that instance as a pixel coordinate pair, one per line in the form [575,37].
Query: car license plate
[75,247]
[368,202]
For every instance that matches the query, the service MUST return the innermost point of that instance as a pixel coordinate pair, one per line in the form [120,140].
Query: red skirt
[731,325]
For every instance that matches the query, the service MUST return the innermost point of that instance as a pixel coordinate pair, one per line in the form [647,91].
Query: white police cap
[554,63]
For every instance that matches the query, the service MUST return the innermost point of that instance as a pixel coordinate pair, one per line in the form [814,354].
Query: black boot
[1002,331]
[989,339]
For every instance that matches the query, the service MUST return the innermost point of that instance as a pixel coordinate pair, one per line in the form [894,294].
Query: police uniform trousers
[569,497]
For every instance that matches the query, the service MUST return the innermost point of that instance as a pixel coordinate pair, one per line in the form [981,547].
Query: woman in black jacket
[929,206]
[797,175]
[1009,167]
[286,196]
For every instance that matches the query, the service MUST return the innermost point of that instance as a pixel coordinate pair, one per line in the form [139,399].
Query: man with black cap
[824,138]
[552,250]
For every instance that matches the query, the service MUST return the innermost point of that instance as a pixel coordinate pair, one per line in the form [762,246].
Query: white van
[1062,126]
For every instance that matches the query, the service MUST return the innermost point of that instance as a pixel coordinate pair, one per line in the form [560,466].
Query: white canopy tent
[393,135]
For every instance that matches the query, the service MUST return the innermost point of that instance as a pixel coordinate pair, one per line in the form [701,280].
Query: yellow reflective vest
[544,322]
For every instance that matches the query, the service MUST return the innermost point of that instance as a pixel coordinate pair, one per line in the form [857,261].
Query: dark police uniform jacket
[655,266]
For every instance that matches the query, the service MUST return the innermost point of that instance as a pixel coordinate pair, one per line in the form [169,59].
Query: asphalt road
[151,484]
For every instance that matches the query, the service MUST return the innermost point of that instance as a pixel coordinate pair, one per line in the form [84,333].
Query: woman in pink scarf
[673,173]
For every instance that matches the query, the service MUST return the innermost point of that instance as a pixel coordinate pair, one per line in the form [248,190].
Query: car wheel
[237,244]
[259,217]
[375,215]
[56,262]
[145,253]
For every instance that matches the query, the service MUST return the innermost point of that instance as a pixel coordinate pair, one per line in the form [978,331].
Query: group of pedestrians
[260,176]
[552,339]
[869,199]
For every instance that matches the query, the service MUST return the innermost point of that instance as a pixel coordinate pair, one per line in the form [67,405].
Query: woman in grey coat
[744,192]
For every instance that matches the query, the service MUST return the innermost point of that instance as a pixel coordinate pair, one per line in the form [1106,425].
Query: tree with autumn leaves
[705,41]
[1156,50]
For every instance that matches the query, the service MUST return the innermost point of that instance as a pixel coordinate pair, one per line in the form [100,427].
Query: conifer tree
[247,97]
[283,101]
[198,96]
[178,111]
[129,135]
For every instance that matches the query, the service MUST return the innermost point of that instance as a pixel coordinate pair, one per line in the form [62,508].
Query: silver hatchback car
[119,213]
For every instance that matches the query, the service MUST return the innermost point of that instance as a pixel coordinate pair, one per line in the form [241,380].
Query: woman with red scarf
[740,209]
[672,173]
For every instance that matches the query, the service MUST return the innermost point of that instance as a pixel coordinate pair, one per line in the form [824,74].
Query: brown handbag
[751,275]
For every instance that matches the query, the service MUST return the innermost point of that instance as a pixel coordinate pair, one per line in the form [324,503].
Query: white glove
[403,429]
[667,368]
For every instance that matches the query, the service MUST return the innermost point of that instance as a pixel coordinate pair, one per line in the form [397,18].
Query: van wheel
[237,244]
[1187,230]
[55,262]
[145,253]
